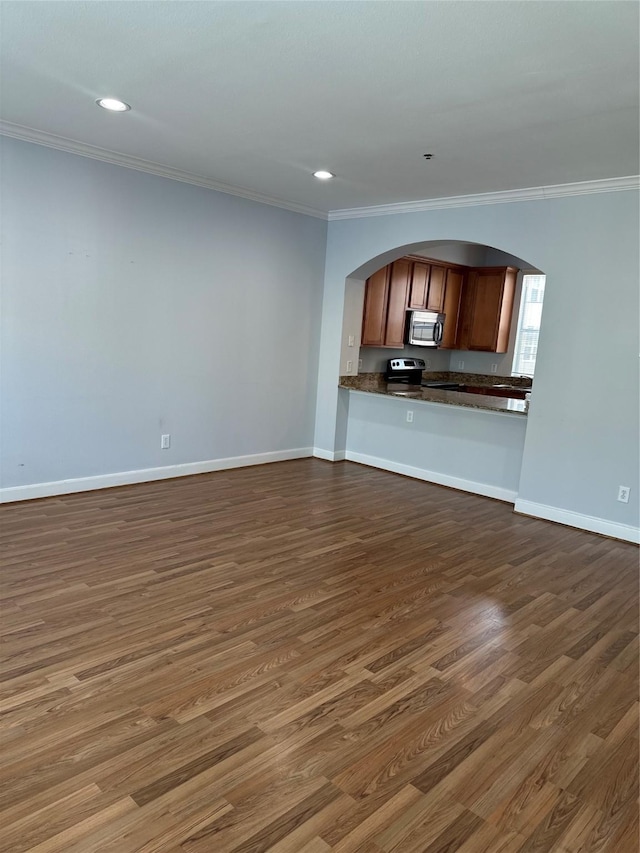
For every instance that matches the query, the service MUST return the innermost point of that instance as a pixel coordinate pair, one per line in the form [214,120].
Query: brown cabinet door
[397,308]
[452,293]
[504,321]
[435,300]
[485,310]
[465,316]
[419,286]
[376,299]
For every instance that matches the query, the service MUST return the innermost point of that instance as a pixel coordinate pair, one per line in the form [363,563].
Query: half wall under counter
[470,446]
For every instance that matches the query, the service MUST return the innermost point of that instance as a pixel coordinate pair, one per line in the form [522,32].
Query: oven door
[424,328]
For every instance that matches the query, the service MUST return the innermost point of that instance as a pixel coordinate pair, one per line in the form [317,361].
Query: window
[524,360]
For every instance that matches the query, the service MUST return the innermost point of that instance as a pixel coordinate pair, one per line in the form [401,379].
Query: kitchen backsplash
[374,359]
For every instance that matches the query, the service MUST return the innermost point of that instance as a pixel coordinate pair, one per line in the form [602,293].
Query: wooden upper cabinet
[477,303]
[385,306]
[452,292]
[376,298]
[398,297]
[485,311]
[435,298]
[419,286]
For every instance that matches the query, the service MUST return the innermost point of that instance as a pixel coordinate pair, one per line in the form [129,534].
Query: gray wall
[582,431]
[464,448]
[467,254]
[135,306]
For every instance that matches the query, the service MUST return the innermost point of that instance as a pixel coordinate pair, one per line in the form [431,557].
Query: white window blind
[524,360]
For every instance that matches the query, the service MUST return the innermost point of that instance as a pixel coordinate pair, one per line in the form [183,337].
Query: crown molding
[62,143]
[607,185]
[50,140]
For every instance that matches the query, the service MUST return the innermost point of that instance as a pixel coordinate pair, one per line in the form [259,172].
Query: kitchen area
[431,390]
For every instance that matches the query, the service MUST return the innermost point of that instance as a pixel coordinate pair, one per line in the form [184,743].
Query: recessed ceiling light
[323,175]
[113,104]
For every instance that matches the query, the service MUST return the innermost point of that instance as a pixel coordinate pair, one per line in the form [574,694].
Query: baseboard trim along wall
[145,475]
[485,489]
[329,455]
[579,520]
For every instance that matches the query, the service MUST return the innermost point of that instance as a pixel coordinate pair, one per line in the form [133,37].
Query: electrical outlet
[351,341]
[461,365]
[409,417]
[623,494]
[359,364]
[494,368]
[165,442]
[427,363]
[349,367]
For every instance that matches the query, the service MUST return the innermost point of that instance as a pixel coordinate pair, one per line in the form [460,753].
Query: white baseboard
[145,475]
[579,520]
[486,489]
[329,455]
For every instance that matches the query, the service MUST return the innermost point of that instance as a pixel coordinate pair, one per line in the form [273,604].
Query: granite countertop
[375,383]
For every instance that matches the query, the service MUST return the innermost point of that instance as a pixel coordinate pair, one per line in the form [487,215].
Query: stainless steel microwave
[424,328]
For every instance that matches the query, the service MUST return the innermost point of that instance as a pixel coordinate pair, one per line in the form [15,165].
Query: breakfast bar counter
[375,383]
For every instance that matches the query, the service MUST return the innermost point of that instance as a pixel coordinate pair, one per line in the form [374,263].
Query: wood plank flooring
[308,657]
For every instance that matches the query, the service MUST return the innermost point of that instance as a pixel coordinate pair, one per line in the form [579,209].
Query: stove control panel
[406,364]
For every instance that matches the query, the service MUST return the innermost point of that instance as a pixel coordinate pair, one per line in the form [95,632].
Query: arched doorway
[355,359]
[475,449]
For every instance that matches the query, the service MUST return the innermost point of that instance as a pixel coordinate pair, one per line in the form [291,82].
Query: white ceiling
[257,95]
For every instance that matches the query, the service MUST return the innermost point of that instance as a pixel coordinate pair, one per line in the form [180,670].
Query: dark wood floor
[308,657]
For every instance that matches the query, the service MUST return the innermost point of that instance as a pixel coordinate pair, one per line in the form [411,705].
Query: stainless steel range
[406,370]
[409,372]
